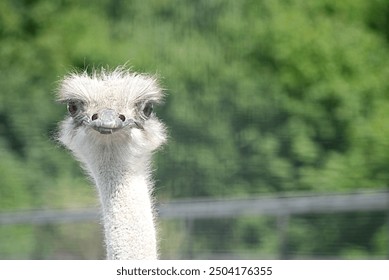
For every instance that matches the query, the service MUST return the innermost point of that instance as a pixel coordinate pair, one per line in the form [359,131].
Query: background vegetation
[264,96]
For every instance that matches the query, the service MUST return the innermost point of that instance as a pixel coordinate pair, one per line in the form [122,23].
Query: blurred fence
[280,206]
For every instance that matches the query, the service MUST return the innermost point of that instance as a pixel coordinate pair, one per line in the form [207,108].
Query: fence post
[282,226]
[188,229]
[387,223]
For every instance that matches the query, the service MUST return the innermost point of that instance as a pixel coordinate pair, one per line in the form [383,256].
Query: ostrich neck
[127,209]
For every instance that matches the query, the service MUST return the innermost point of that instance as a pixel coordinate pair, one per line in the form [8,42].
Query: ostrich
[112,130]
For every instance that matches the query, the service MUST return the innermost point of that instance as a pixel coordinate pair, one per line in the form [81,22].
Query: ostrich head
[110,116]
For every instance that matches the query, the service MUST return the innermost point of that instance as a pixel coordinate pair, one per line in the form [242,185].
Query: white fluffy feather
[119,163]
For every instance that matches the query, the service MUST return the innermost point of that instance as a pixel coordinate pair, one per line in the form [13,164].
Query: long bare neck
[127,209]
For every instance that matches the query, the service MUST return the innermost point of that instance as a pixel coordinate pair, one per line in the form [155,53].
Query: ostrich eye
[148,109]
[72,107]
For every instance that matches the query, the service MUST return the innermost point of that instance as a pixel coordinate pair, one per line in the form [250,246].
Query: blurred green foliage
[263,96]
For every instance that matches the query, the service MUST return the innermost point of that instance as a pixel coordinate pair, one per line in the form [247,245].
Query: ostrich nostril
[94,117]
[122,117]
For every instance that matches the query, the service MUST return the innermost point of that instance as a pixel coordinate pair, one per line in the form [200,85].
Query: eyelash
[73,107]
[147,109]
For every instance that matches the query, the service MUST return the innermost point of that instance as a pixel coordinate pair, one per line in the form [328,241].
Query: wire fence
[281,207]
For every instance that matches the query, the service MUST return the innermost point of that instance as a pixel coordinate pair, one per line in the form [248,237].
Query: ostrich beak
[108,121]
